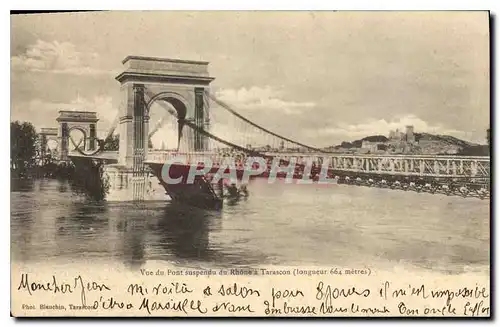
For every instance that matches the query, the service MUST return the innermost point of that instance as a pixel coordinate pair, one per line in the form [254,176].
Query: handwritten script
[196,296]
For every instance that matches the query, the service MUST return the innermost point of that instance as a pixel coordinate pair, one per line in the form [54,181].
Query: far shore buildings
[406,142]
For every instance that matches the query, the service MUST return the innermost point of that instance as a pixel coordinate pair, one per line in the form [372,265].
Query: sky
[316,77]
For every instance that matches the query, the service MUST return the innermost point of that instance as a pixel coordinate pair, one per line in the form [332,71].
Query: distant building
[410,137]
[396,135]
[400,142]
[372,147]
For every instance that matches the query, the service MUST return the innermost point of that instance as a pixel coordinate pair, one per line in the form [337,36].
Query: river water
[278,225]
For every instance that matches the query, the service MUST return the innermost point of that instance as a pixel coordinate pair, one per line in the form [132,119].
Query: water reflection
[166,232]
[185,231]
[22,185]
[131,233]
[82,218]
[134,254]
[63,186]
[346,225]
[43,184]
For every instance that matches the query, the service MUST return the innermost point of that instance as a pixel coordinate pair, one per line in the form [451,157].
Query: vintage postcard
[250,164]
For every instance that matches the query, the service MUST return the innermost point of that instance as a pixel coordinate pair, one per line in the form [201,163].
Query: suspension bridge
[208,128]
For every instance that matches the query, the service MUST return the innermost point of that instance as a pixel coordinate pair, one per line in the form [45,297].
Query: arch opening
[178,102]
[51,144]
[166,114]
[78,138]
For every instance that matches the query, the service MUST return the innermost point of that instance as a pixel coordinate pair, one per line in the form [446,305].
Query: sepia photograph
[250,163]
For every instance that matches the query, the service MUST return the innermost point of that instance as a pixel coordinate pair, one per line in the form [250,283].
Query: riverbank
[85,178]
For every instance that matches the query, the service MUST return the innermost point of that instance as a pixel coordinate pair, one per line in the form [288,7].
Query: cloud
[103,105]
[382,127]
[265,106]
[57,58]
[44,114]
[258,98]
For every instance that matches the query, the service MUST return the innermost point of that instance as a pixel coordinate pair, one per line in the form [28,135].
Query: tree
[112,143]
[375,138]
[346,145]
[23,140]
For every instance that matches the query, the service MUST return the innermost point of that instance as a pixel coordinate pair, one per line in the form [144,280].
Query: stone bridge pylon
[145,80]
[83,121]
[70,120]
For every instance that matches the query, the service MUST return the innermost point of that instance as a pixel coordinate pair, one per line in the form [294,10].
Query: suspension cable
[228,108]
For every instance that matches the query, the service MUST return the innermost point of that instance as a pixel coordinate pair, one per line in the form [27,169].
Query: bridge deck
[398,165]
[108,156]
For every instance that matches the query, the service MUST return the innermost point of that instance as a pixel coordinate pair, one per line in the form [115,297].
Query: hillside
[451,140]
[439,141]
[357,143]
